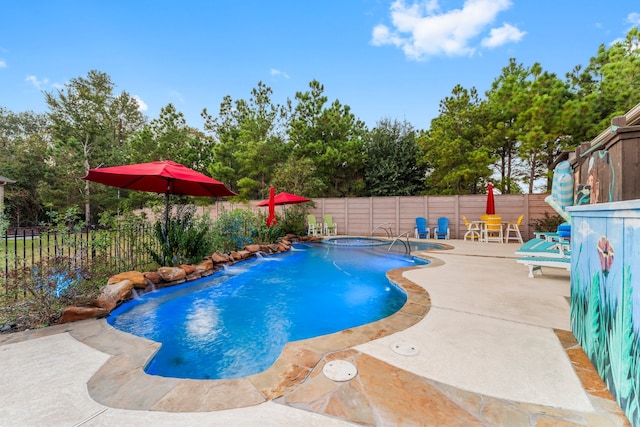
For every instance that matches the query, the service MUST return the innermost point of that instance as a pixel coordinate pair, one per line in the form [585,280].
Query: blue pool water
[236,322]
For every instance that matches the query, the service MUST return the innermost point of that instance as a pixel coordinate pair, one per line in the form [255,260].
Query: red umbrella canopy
[163,177]
[271,219]
[285,199]
[491,204]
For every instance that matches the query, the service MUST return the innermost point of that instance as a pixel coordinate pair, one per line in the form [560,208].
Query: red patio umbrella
[271,219]
[285,199]
[491,204]
[162,177]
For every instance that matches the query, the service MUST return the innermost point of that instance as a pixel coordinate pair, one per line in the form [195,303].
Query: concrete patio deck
[478,343]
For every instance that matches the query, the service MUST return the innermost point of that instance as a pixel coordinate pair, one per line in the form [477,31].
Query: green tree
[505,100]
[542,131]
[86,122]
[607,87]
[621,85]
[298,176]
[332,137]
[23,148]
[391,167]
[247,142]
[453,149]
[524,125]
[169,138]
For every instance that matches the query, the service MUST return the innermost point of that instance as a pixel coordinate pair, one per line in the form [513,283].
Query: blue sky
[385,59]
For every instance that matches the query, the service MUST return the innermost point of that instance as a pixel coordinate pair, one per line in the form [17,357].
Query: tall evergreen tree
[543,134]
[505,100]
[247,142]
[23,148]
[391,167]
[453,149]
[607,87]
[85,121]
[332,137]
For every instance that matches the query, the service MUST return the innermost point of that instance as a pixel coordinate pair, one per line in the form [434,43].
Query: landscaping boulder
[171,274]
[245,254]
[253,248]
[153,276]
[274,248]
[188,269]
[74,314]
[113,294]
[137,278]
[204,266]
[193,276]
[218,258]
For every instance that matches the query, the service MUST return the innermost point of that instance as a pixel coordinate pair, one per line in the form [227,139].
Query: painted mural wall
[605,295]
[600,181]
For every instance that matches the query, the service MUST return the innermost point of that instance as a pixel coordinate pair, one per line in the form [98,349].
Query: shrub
[263,234]
[35,297]
[233,230]
[294,219]
[548,223]
[183,240]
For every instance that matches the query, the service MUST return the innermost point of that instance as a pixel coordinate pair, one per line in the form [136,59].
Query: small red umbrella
[491,204]
[271,219]
[285,199]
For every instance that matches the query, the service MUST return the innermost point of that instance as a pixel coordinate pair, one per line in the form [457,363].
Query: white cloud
[503,35]
[634,18]
[421,30]
[276,72]
[34,81]
[3,64]
[142,106]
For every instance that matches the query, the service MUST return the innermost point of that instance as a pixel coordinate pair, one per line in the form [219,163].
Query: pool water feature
[236,322]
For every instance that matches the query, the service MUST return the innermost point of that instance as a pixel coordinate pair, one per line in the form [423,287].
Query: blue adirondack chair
[422,231]
[442,230]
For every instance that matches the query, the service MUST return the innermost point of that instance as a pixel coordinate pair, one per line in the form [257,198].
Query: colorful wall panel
[605,295]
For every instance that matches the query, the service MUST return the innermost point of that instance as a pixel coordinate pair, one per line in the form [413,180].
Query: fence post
[6,261]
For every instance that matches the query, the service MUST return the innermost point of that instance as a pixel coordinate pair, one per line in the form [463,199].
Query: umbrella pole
[167,206]
[166,217]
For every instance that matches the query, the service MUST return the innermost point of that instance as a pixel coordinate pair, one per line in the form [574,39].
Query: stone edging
[124,286]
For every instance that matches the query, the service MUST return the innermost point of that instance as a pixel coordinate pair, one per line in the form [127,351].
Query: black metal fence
[117,250]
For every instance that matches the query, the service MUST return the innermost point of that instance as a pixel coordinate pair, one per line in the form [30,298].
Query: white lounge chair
[535,263]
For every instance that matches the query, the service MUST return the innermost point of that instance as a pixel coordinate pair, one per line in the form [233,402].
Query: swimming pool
[236,322]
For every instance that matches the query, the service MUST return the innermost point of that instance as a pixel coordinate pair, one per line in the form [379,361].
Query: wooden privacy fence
[358,216]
